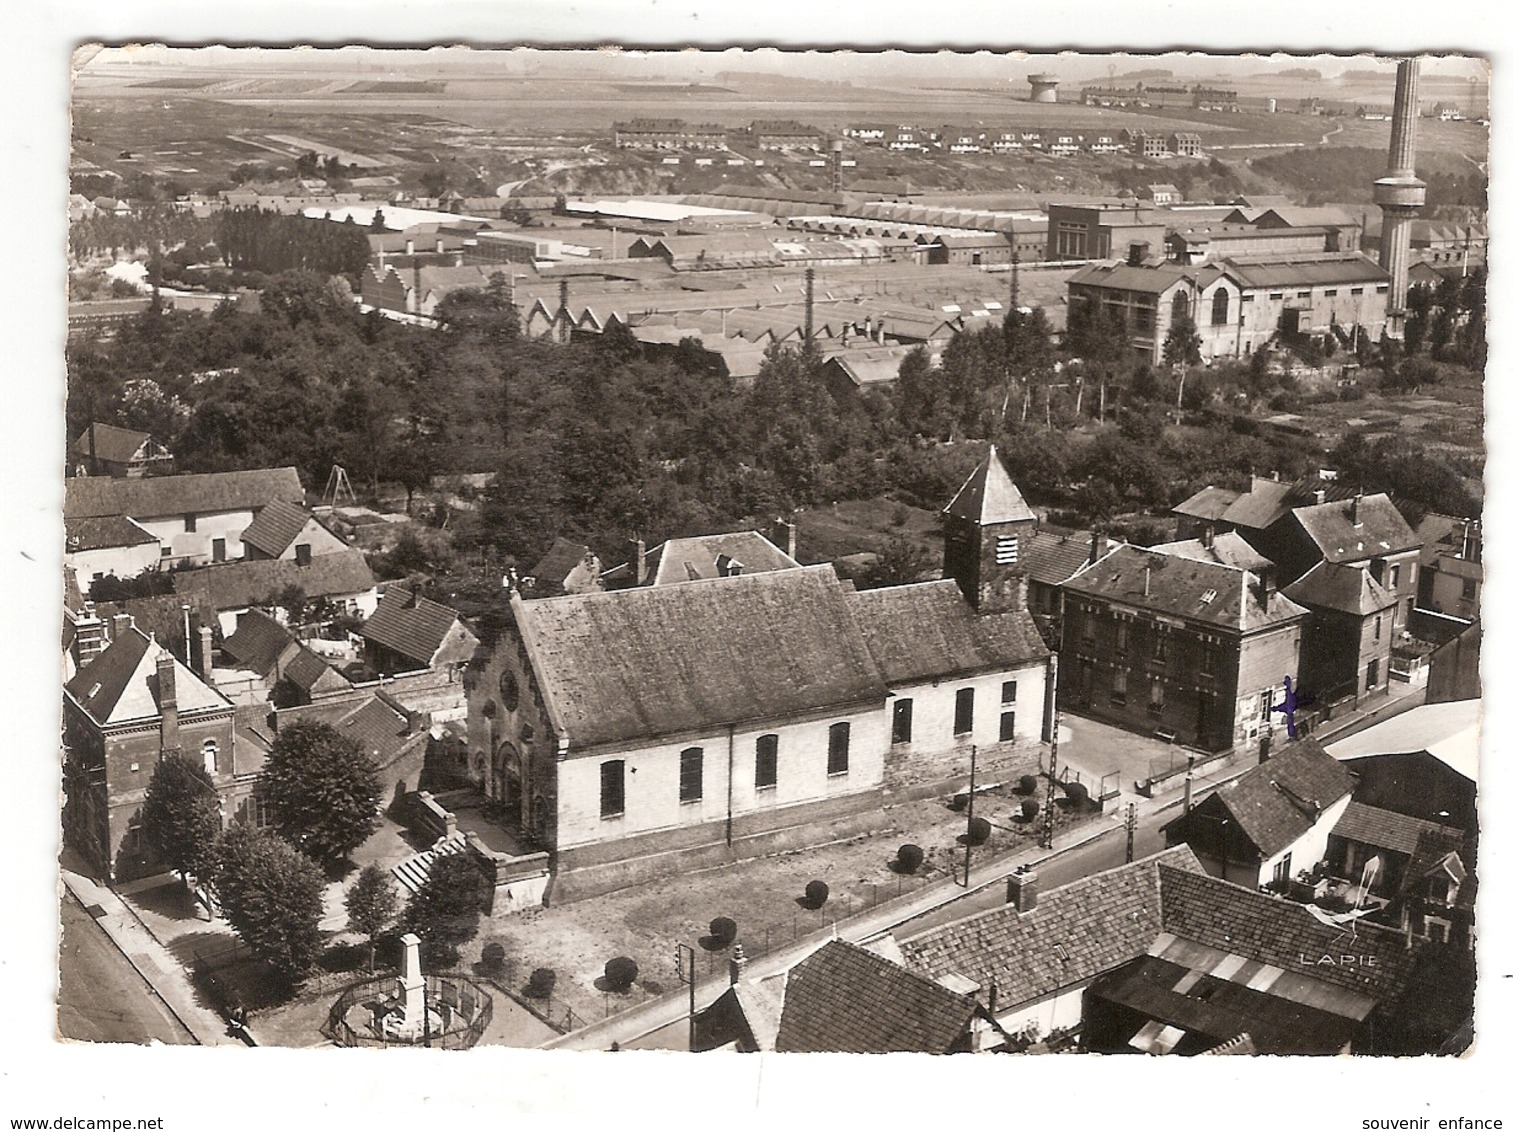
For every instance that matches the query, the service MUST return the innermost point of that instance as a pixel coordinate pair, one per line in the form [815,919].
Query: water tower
[1043,88]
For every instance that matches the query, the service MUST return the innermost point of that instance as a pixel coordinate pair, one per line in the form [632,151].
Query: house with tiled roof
[196,518]
[1450,574]
[699,556]
[287,531]
[262,662]
[390,732]
[840,998]
[109,546]
[341,580]
[1347,642]
[1032,958]
[1270,824]
[566,568]
[106,450]
[409,632]
[1193,650]
[125,709]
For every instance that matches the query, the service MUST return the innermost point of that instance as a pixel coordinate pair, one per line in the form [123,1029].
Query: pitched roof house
[409,631]
[342,579]
[285,530]
[1271,823]
[106,450]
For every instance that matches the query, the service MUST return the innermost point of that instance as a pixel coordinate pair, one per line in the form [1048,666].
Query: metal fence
[463,1010]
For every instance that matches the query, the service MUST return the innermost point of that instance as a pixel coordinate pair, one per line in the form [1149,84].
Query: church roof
[989,495]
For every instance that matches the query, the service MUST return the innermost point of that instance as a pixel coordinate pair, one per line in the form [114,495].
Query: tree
[901,562]
[371,903]
[271,895]
[321,790]
[1182,346]
[444,912]
[181,817]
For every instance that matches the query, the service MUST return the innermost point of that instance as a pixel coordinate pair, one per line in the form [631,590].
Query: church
[640,732]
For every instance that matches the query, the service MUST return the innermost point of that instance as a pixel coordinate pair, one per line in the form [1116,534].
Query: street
[101,997]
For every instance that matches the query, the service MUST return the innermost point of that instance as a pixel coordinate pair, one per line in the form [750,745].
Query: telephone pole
[1129,834]
[1048,832]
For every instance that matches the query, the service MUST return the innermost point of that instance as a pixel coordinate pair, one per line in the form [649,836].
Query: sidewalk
[163,972]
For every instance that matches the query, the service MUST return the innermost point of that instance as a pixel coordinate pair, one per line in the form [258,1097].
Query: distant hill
[1309,73]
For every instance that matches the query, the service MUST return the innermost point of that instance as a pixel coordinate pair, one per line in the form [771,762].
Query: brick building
[1195,650]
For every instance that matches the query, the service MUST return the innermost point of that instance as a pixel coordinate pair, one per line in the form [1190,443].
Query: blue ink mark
[1289,706]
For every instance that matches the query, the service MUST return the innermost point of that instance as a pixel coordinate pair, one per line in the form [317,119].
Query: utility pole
[1129,834]
[1048,832]
[1181,368]
[692,980]
[966,874]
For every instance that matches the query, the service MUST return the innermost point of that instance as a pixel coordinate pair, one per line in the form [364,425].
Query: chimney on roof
[168,702]
[1355,507]
[1266,585]
[1138,250]
[1098,548]
[1318,495]
[409,247]
[1146,590]
[1208,536]
[737,965]
[638,559]
[207,647]
[1021,889]
[121,624]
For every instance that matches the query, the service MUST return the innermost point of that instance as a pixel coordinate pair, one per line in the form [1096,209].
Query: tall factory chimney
[809,308]
[1400,194]
[836,148]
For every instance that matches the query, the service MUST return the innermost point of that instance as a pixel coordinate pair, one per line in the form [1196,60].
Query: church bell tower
[987,527]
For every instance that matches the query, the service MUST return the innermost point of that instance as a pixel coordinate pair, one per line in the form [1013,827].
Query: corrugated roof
[989,495]
[1385,829]
[928,630]
[100,532]
[121,683]
[660,660]
[409,624]
[1304,271]
[1348,589]
[276,527]
[1177,586]
[844,999]
[112,444]
[1277,802]
[155,496]
[1074,933]
[240,585]
[1377,529]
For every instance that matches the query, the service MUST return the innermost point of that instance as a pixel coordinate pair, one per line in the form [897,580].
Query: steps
[414,871]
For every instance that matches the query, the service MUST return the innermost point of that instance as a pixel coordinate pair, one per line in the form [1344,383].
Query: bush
[910,857]
[816,892]
[1027,783]
[1076,793]
[493,956]
[723,929]
[1029,808]
[978,831]
[542,982]
[620,972]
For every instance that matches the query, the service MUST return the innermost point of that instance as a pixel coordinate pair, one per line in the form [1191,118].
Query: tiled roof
[658,660]
[1227,549]
[240,585]
[122,683]
[111,444]
[1177,586]
[98,533]
[928,630]
[1256,926]
[689,559]
[1149,279]
[156,496]
[560,560]
[258,642]
[1074,933]
[409,624]
[843,999]
[276,526]
[1378,529]
[1348,589]
[989,495]
[1261,506]
[380,728]
[1210,503]
[1384,829]
[1052,558]
[1278,801]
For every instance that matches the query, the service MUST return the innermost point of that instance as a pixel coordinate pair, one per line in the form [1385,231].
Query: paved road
[101,997]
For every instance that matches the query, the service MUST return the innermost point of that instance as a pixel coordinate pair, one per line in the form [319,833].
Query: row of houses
[1026,139]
